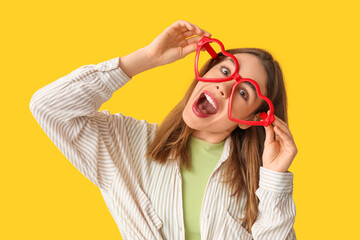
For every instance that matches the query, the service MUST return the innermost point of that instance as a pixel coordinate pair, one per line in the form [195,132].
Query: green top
[204,158]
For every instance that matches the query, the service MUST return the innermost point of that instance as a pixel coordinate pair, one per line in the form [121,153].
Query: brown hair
[241,169]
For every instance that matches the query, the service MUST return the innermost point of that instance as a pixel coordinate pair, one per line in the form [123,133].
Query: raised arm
[67,109]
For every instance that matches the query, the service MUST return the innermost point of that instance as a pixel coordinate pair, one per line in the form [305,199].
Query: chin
[190,120]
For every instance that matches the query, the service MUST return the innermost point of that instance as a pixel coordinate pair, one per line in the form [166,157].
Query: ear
[255,117]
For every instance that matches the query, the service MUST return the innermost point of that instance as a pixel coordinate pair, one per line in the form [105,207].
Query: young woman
[192,176]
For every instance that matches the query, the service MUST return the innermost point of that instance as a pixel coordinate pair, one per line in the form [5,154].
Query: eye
[244,94]
[225,70]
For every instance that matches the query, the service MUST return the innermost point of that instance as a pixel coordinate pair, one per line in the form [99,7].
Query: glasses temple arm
[211,51]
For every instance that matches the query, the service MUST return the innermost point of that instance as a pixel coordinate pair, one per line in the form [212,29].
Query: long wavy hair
[241,169]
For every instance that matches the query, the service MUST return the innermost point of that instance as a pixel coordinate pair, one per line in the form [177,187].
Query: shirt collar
[224,155]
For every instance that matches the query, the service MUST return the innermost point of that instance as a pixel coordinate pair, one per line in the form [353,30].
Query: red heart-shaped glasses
[205,42]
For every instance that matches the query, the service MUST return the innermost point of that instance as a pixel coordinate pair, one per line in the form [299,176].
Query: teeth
[210,100]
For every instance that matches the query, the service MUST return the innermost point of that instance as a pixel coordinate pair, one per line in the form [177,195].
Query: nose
[224,88]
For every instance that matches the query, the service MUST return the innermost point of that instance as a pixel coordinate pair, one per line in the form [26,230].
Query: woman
[241,171]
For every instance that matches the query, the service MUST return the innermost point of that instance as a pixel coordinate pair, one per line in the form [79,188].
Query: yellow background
[316,42]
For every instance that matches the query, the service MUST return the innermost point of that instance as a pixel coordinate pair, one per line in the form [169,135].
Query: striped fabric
[145,197]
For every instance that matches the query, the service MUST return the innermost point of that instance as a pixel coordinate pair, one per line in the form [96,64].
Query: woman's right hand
[175,42]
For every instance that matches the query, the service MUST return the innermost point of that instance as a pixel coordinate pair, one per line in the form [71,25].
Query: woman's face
[215,128]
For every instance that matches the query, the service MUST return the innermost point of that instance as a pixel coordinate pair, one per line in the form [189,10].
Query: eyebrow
[226,58]
[247,83]
[253,88]
[232,61]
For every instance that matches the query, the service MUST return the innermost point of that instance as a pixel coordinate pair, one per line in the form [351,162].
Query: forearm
[136,62]
[276,207]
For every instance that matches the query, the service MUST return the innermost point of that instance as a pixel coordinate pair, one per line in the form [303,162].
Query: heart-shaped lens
[208,53]
[246,102]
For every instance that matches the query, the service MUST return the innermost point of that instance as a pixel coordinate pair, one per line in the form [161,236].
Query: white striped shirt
[143,196]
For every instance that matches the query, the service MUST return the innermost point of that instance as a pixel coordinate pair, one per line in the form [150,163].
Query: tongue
[206,107]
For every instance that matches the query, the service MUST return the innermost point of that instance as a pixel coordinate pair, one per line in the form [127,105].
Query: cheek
[191,101]
[188,107]
[238,107]
[194,94]
[241,109]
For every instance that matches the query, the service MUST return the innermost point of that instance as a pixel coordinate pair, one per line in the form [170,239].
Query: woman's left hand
[279,153]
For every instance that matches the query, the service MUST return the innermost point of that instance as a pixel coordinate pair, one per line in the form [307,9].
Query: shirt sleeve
[276,207]
[92,140]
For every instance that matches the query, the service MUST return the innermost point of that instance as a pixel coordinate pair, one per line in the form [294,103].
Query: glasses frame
[205,42]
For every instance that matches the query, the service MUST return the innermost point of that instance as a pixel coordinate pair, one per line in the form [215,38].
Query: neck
[210,137]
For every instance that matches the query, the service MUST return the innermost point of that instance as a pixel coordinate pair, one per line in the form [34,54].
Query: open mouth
[205,106]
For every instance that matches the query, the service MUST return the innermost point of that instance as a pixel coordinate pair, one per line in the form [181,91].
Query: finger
[279,120]
[188,25]
[189,28]
[206,33]
[189,49]
[189,41]
[188,34]
[269,132]
[282,125]
[195,28]
[200,31]
[182,25]
[283,129]
[282,136]
[184,28]
[193,40]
